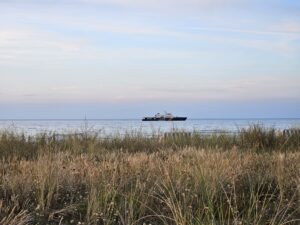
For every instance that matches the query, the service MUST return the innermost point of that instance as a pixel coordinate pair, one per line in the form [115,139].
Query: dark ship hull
[164,119]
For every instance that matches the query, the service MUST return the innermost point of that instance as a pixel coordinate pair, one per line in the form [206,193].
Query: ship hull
[164,119]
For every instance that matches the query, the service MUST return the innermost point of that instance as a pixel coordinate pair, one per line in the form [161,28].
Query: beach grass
[252,177]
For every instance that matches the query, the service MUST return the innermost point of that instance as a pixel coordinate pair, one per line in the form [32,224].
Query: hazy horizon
[108,59]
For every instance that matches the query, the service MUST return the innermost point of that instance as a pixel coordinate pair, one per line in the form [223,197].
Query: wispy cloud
[30,95]
[164,7]
[144,3]
[268,36]
[293,31]
[121,50]
[256,88]
[183,6]
[18,44]
[286,27]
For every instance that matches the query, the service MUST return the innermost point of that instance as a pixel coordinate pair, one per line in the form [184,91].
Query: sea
[108,127]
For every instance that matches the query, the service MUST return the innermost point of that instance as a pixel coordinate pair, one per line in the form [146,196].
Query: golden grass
[158,184]
[190,186]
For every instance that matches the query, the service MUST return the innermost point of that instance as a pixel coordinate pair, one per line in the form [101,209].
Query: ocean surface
[120,127]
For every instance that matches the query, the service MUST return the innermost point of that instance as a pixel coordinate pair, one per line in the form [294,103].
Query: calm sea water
[110,127]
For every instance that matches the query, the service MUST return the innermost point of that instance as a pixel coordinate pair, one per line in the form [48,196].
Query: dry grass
[9,216]
[256,139]
[173,184]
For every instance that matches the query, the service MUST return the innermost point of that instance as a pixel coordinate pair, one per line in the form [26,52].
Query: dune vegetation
[252,177]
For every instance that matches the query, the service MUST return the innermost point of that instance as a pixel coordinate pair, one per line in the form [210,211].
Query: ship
[165,117]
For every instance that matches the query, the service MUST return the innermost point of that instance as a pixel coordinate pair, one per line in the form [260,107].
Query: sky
[128,58]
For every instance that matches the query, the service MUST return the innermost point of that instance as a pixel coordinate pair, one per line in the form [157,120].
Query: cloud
[251,88]
[295,32]
[30,95]
[184,7]
[166,3]
[66,88]
[277,37]
[32,44]
[189,90]
[19,46]
[226,30]
[256,88]
[122,27]
[141,3]
[163,7]
[99,40]
[287,27]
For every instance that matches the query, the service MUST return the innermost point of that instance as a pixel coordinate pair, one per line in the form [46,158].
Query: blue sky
[125,58]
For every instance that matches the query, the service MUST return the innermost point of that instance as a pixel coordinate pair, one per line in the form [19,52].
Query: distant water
[110,127]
